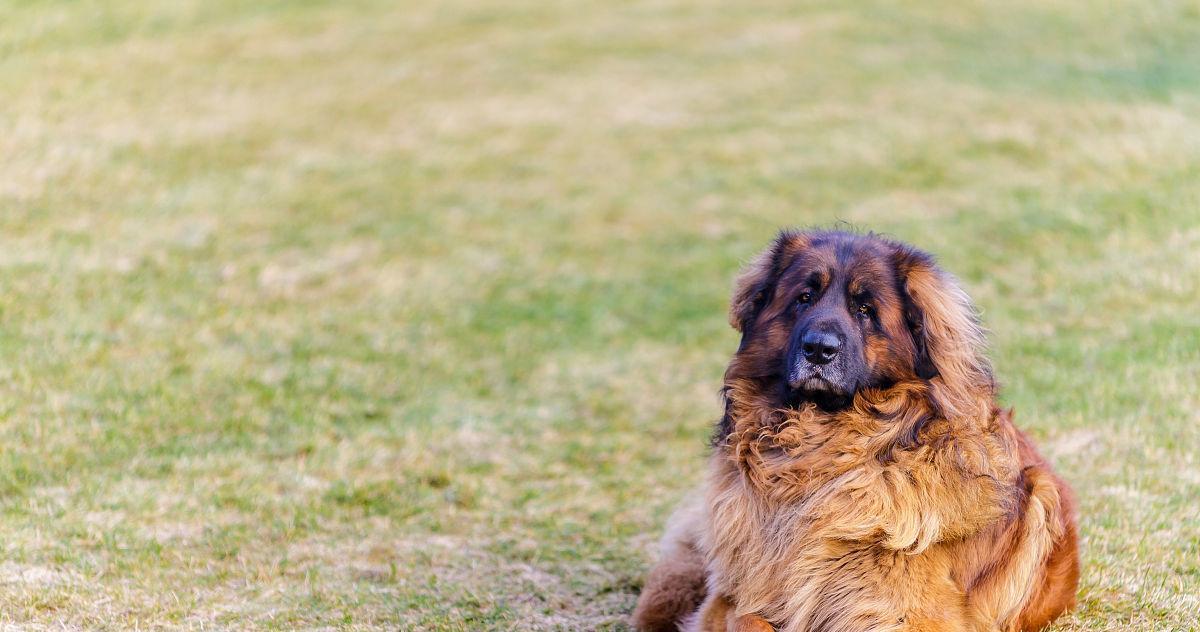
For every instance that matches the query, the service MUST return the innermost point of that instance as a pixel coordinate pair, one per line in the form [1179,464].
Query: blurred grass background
[412,315]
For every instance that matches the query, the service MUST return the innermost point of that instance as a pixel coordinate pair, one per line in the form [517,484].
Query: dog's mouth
[815,384]
[817,390]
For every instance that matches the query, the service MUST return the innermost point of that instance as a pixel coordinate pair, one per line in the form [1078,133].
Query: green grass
[375,315]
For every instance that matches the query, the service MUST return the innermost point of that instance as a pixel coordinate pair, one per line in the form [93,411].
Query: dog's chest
[782,562]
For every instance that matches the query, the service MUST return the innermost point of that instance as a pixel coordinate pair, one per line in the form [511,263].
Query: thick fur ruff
[920,506]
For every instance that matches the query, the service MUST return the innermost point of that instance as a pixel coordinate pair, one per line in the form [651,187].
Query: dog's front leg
[717,614]
[750,623]
[712,616]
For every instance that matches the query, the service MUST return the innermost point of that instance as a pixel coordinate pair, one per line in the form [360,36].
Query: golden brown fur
[919,506]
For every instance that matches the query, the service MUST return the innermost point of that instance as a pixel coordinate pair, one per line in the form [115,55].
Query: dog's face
[826,314]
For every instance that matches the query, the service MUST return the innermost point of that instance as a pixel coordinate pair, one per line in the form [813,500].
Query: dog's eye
[864,309]
[804,299]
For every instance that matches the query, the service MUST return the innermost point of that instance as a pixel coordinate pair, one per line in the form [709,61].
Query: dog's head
[826,315]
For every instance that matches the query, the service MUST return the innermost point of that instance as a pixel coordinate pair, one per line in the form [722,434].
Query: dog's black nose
[820,347]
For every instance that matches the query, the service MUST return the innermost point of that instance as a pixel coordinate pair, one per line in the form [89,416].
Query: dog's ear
[755,286]
[950,342]
[923,364]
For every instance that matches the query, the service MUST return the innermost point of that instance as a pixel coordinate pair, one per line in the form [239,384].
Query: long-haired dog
[862,477]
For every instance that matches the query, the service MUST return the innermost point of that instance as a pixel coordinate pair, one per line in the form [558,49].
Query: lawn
[411,315]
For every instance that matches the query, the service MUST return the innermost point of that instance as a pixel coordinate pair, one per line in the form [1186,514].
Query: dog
[863,477]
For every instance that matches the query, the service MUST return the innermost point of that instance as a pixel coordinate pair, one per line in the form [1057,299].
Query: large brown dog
[862,477]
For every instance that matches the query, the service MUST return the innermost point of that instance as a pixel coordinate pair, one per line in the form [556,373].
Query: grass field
[412,315]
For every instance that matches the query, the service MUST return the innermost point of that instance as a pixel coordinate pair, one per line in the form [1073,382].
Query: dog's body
[862,477]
